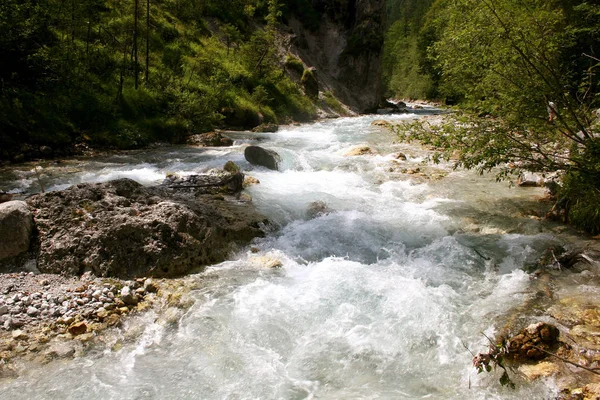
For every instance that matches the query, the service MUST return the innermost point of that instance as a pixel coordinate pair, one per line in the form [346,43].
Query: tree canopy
[525,74]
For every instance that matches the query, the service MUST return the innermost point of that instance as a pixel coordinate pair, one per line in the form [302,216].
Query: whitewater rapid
[378,297]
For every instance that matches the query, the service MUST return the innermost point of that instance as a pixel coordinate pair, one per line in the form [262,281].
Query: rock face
[123,229]
[343,41]
[16,225]
[258,156]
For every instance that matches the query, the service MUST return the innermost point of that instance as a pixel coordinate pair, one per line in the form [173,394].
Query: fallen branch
[592,370]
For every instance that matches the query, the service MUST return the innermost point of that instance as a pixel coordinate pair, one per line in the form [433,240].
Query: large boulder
[123,229]
[16,225]
[258,156]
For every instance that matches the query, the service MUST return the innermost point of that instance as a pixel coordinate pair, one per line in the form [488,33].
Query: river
[377,297]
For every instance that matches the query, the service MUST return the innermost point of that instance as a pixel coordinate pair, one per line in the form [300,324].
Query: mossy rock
[310,83]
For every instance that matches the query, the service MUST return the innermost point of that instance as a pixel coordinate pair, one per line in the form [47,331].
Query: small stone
[4,310]
[97,294]
[19,335]
[112,320]
[60,350]
[77,328]
[150,286]
[32,311]
[128,297]
[101,313]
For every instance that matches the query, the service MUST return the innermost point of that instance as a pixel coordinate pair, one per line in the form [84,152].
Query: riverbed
[392,269]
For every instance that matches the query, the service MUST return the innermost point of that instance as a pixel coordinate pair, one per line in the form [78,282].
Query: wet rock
[266,128]
[360,151]
[78,328]
[316,209]
[250,180]
[382,123]
[61,350]
[540,370]
[401,157]
[231,167]
[266,262]
[591,391]
[531,341]
[214,182]
[16,225]
[256,155]
[210,139]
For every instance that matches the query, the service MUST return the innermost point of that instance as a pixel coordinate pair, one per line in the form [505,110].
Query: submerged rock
[123,229]
[16,225]
[360,151]
[256,155]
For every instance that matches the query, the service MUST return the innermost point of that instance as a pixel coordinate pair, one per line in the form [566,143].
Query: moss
[310,83]
[334,104]
[294,64]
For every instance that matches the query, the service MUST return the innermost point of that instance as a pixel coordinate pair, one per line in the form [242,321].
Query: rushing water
[377,298]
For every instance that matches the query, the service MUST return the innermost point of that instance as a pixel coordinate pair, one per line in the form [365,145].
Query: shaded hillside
[125,73]
[343,41]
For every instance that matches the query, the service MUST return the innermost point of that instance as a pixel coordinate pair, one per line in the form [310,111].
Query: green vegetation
[334,104]
[404,51]
[525,74]
[125,73]
[294,64]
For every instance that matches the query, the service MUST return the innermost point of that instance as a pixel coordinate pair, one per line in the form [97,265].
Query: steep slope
[343,41]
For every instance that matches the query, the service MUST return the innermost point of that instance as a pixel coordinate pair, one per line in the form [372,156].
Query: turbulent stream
[377,297]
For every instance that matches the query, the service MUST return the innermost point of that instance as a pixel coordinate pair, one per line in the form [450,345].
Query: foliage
[493,360]
[404,51]
[526,74]
[127,73]
[333,103]
[294,64]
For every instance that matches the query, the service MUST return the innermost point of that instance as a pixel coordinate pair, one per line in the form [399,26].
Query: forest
[523,77]
[127,73]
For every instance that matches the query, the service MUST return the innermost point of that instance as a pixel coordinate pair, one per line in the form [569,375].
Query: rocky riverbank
[46,316]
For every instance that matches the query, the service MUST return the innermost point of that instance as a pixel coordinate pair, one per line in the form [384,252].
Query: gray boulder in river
[123,229]
[258,156]
[16,225]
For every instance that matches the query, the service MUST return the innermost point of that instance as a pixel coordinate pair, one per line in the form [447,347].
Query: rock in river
[123,229]
[258,156]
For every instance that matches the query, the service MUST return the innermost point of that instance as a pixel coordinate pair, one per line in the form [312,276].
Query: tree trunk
[147,41]
[135,42]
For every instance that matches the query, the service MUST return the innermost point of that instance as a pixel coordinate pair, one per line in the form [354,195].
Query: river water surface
[377,297]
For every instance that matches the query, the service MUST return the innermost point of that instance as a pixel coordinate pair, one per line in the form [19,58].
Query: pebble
[127,297]
[32,311]
[4,310]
